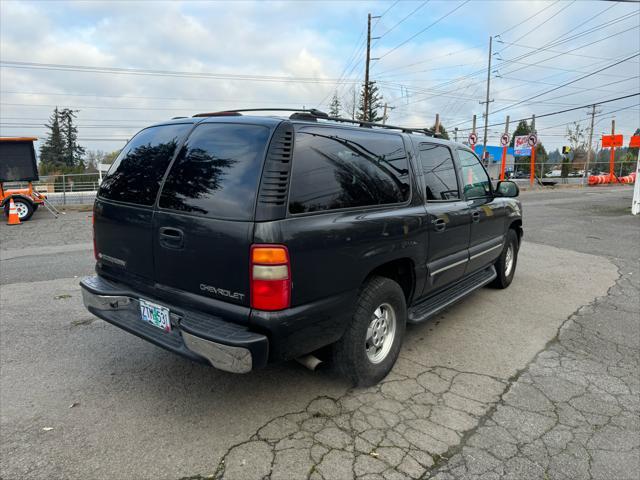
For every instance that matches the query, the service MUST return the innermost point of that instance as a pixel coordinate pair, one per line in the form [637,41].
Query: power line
[168,73]
[405,18]
[601,102]
[528,18]
[542,23]
[424,29]
[566,84]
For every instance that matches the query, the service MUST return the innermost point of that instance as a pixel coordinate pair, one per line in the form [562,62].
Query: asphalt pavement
[537,381]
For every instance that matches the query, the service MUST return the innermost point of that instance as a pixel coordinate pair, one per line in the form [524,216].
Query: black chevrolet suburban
[238,240]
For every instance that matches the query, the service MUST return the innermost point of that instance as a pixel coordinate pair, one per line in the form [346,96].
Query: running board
[432,305]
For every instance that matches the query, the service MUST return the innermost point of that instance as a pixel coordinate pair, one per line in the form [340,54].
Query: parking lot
[537,381]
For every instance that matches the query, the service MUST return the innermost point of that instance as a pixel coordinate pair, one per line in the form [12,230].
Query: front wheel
[506,263]
[369,348]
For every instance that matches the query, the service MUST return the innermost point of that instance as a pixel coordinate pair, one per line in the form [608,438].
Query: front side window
[474,177]
[217,171]
[439,172]
[136,173]
[340,168]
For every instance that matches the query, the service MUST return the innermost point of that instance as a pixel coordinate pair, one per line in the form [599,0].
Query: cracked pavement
[538,381]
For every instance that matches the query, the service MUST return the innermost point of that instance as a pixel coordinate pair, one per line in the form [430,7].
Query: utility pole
[384,114]
[437,126]
[486,102]
[503,160]
[586,165]
[353,107]
[612,157]
[532,169]
[365,100]
[455,134]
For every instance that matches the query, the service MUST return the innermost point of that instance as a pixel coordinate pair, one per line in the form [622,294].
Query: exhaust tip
[309,361]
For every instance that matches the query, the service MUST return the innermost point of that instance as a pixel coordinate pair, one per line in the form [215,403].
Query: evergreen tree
[374,103]
[521,163]
[334,107]
[523,128]
[73,152]
[52,151]
[443,131]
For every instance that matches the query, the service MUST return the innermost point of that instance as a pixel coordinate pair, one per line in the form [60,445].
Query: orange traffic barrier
[602,179]
[631,178]
[13,219]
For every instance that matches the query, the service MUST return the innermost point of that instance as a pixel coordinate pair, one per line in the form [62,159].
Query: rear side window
[217,171]
[439,172]
[136,173]
[346,168]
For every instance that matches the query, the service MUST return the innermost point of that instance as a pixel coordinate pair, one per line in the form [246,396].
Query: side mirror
[507,189]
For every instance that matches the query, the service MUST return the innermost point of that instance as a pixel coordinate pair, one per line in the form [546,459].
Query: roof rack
[315,115]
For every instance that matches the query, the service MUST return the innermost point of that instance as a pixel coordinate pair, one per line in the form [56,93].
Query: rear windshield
[217,171]
[136,174]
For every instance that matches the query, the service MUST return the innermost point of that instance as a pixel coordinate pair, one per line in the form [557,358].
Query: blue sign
[494,151]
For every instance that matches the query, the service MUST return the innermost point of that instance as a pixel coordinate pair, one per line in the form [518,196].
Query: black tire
[349,354]
[25,207]
[504,278]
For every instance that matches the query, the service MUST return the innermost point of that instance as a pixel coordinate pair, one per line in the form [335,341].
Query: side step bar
[432,305]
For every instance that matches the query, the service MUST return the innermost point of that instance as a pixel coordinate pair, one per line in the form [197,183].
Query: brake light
[93,227]
[270,277]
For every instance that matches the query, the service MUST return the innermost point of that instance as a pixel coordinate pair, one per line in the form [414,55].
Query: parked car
[240,240]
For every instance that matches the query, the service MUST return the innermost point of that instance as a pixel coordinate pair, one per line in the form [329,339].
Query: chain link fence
[65,189]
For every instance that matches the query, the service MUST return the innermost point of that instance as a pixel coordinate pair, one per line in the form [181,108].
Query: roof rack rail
[313,114]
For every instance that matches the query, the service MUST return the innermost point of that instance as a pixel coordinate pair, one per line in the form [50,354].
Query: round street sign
[532,140]
[504,139]
[473,138]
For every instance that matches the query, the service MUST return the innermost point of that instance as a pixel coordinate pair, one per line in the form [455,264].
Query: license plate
[155,314]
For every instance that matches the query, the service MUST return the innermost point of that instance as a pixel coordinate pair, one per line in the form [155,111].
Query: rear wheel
[370,346]
[25,209]
[506,263]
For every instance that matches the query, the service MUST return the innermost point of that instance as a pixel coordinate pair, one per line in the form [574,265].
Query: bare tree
[577,142]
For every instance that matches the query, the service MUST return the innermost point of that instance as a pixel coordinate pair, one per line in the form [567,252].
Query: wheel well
[517,226]
[16,197]
[401,271]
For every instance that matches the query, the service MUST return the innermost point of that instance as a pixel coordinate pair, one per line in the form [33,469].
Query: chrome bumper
[224,357]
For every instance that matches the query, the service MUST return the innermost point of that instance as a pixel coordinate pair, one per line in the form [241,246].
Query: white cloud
[300,39]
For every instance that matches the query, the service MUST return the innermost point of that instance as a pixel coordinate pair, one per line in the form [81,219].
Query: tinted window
[474,177]
[217,171]
[439,172]
[344,168]
[135,175]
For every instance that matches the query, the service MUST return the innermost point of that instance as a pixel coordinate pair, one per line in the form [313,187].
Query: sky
[126,64]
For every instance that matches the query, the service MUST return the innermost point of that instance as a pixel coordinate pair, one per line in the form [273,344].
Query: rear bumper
[200,337]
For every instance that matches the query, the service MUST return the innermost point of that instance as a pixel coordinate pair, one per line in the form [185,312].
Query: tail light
[270,277]
[93,227]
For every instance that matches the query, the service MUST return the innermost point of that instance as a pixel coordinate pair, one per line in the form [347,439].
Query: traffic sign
[532,141]
[473,138]
[504,139]
[612,140]
[635,141]
[566,150]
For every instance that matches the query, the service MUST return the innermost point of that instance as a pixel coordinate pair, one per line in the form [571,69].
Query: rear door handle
[439,224]
[171,237]
[475,216]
